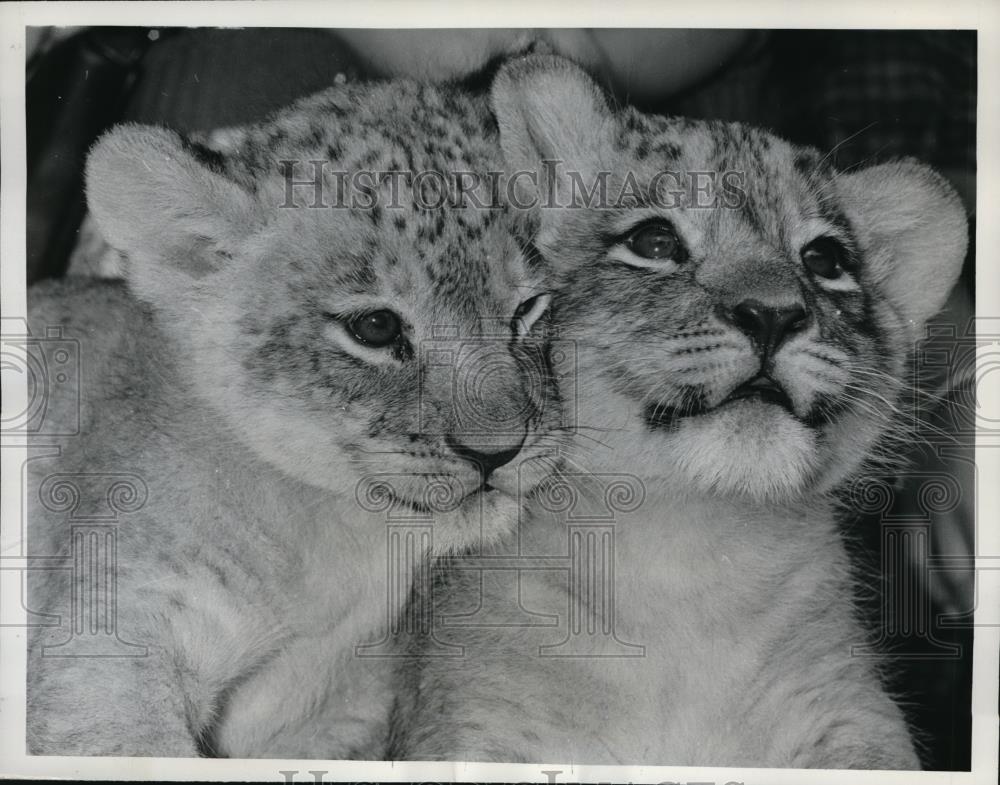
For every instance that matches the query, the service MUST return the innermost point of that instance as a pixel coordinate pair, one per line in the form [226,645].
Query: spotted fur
[274,446]
[733,629]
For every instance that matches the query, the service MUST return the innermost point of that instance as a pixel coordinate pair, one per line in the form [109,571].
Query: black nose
[768,325]
[487,461]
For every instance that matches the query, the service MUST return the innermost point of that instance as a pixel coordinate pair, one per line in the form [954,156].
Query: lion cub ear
[548,109]
[913,232]
[176,219]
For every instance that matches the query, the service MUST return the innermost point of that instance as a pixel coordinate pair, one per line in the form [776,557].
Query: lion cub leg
[134,706]
[317,699]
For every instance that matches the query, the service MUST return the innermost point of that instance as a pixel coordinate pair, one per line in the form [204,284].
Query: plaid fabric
[868,95]
[899,93]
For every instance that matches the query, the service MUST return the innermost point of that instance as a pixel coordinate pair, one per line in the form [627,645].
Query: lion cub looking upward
[262,377]
[740,353]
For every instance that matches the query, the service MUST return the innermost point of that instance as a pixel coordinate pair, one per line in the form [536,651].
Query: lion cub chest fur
[260,383]
[724,646]
[740,355]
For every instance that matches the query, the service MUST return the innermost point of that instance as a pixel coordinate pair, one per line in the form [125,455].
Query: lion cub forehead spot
[718,147]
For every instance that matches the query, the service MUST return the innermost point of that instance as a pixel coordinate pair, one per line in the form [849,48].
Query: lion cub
[684,597]
[283,373]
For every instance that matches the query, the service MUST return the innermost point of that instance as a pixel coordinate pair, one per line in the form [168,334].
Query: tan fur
[223,377]
[732,587]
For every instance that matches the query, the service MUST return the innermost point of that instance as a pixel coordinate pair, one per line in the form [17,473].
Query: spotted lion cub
[740,346]
[259,391]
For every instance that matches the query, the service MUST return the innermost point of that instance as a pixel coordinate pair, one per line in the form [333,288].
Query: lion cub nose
[487,460]
[767,325]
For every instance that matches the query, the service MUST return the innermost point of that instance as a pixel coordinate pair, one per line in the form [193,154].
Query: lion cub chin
[284,409]
[681,595]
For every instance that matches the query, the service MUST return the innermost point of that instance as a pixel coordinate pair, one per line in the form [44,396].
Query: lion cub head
[742,310]
[380,344]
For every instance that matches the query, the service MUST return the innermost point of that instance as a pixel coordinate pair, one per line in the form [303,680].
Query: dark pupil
[378,328]
[654,242]
[525,307]
[823,257]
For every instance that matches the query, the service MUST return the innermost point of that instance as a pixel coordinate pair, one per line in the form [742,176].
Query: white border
[979,14]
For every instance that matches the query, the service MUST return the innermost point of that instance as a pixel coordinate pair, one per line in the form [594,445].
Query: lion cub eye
[825,257]
[376,328]
[655,241]
[529,312]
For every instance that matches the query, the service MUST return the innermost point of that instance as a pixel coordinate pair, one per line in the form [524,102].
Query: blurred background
[864,96]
